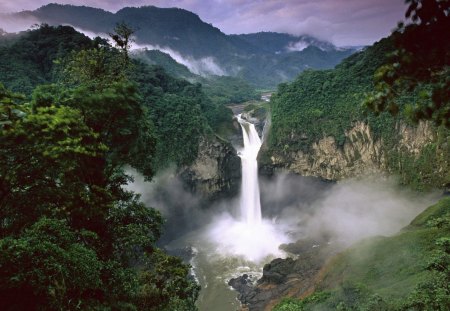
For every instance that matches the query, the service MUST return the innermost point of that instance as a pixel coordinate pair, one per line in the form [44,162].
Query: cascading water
[231,246]
[248,236]
[250,205]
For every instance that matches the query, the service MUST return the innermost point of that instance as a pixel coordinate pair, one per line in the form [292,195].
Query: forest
[321,103]
[76,113]
[403,78]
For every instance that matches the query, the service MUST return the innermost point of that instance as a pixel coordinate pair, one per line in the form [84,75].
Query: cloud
[297,46]
[343,22]
[205,66]
[10,24]
[91,34]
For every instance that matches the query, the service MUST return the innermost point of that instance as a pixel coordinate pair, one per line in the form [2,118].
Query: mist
[345,212]
[12,24]
[183,210]
[297,46]
[293,207]
[205,66]
[90,34]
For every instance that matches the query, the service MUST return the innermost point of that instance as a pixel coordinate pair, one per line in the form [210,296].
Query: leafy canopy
[420,62]
[70,236]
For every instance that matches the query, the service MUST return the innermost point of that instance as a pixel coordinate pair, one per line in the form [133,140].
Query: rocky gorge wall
[413,152]
[363,154]
[216,171]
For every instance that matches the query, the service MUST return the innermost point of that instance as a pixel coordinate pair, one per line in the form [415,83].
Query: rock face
[361,153]
[414,138]
[284,277]
[216,172]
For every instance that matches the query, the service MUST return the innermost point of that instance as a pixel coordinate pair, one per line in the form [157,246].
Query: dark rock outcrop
[285,277]
[216,172]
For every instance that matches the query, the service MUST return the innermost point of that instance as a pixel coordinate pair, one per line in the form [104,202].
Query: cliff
[321,127]
[363,153]
[216,171]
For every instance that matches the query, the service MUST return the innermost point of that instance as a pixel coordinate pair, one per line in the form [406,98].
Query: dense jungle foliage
[329,102]
[76,111]
[410,270]
[45,56]
[322,103]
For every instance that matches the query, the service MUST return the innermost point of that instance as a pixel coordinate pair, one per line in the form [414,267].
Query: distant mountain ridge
[263,59]
[273,42]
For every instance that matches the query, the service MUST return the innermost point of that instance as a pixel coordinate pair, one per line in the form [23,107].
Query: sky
[342,22]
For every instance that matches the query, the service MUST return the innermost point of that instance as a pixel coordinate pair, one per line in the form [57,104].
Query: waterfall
[249,235]
[250,205]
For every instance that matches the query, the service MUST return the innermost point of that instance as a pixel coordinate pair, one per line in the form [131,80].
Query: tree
[52,157]
[70,236]
[122,37]
[420,63]
[49,266]
[95,82]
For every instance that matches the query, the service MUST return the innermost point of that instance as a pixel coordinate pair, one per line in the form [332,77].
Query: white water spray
[250,205]
[249,236]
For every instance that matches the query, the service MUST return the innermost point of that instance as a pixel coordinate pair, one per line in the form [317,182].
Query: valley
[150,161]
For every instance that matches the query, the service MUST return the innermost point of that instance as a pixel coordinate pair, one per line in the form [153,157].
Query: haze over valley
[224,155]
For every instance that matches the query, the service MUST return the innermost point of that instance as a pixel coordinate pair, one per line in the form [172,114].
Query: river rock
[289,277]
[277,270]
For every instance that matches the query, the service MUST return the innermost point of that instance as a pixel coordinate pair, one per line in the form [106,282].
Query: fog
[294,207]
[297,46]
[183,210]
[205,66]
[12,24]
[347,211]
[90,34]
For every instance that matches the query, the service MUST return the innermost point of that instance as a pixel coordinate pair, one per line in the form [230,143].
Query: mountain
[157,57]
[321,127]
[277,43]
[262,59]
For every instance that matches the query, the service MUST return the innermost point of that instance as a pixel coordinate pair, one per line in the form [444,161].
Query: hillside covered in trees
[262,59]
[74,112]
[330,103]
[399,88]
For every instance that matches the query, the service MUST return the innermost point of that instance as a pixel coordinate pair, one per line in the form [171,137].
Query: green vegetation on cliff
[328,103]
[324,103]
[410,270]
[421,58]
